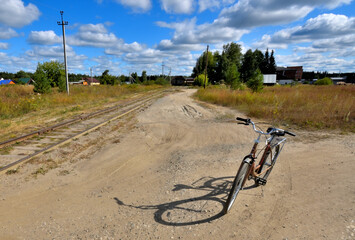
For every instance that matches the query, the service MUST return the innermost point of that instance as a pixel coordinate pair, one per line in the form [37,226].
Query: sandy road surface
[165,174]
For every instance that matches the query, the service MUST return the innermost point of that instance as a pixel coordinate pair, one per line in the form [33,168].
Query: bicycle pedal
[261,181]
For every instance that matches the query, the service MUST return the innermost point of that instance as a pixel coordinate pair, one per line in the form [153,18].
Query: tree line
[235,68]
[49,75]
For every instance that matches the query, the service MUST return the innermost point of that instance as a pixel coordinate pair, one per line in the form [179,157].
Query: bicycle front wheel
[237,185]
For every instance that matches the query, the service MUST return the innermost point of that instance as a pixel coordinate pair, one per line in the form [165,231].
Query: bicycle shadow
[195,210]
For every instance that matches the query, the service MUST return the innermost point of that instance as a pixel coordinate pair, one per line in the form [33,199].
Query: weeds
[312,107]
[11,171]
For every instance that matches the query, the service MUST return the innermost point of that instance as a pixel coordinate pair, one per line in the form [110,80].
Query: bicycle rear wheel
[270,160]
[237,185]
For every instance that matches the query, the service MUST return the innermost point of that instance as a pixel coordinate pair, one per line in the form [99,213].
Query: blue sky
[126,36]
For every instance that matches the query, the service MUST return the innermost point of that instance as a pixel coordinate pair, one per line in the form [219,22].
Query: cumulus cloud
[178,6]
[94,35]
[213,4]
[44,38]
[7,33]
[14,13]
[4,45]
[121,48]
[316,62]
[136,5]
[323,27]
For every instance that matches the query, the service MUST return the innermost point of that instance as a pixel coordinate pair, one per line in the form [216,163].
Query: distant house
[269,79]
[26,81]
[6,82]
[294,73]
[91,81]
[285,81]
[182,81]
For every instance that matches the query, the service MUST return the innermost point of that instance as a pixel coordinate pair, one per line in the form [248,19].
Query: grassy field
[311,107]
[21,109]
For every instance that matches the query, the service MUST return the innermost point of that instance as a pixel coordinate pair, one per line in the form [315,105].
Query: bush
[324,81]
[41,84]
[161,81]
[200,80]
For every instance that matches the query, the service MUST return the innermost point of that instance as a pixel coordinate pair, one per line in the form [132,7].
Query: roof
[91,80]
[6,82]
[24,80]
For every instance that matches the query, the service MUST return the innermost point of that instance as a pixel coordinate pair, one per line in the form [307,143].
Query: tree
[41,82]
[144,76]
[272,64]
[233,53]
[53,71]
[22,74]
[259,60]
[232,76]
[255,83]
[248,66]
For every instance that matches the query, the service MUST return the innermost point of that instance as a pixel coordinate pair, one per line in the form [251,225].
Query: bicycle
[259,173]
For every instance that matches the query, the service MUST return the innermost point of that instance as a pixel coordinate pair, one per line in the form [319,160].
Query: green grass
[311,107]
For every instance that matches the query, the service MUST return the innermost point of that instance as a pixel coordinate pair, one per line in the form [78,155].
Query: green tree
[62,83]
[232,77]
[248,66]
[255,83]
[144,76]
[41,82]
[52,70]
[272,64]
[259,60]
[233,52]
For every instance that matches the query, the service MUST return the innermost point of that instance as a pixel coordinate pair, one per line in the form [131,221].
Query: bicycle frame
[253,171]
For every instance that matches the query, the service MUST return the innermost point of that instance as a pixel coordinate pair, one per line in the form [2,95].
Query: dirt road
[165,174]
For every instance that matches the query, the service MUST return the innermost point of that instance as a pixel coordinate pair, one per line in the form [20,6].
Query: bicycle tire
[238,183]
[270,160]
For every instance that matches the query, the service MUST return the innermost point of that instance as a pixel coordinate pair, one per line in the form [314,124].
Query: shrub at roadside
[324,81]
[200,80]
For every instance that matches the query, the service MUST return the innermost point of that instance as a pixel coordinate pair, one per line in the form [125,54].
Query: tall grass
[322,107]
[18,100]
[21,110]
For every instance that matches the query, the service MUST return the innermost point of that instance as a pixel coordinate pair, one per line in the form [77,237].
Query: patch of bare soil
[166,173]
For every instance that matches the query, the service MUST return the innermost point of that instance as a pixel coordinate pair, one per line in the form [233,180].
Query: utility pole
[91,76]
[162,68]
[204,86]
[65,54]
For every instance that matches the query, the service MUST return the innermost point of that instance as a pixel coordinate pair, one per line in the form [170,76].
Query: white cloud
[178,6]
[14,13]
[136,5]
[94,36]
[7,33]
[316,62]
[44,38]
[213,4]
[323,27]
[4,45]
[121,48]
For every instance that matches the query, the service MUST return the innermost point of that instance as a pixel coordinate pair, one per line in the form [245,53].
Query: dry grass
[315,107]
[21,110]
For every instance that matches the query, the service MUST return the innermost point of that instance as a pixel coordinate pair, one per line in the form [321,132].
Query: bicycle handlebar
[279,131]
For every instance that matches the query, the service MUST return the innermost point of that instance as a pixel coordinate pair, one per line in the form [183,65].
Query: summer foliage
[234,68]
